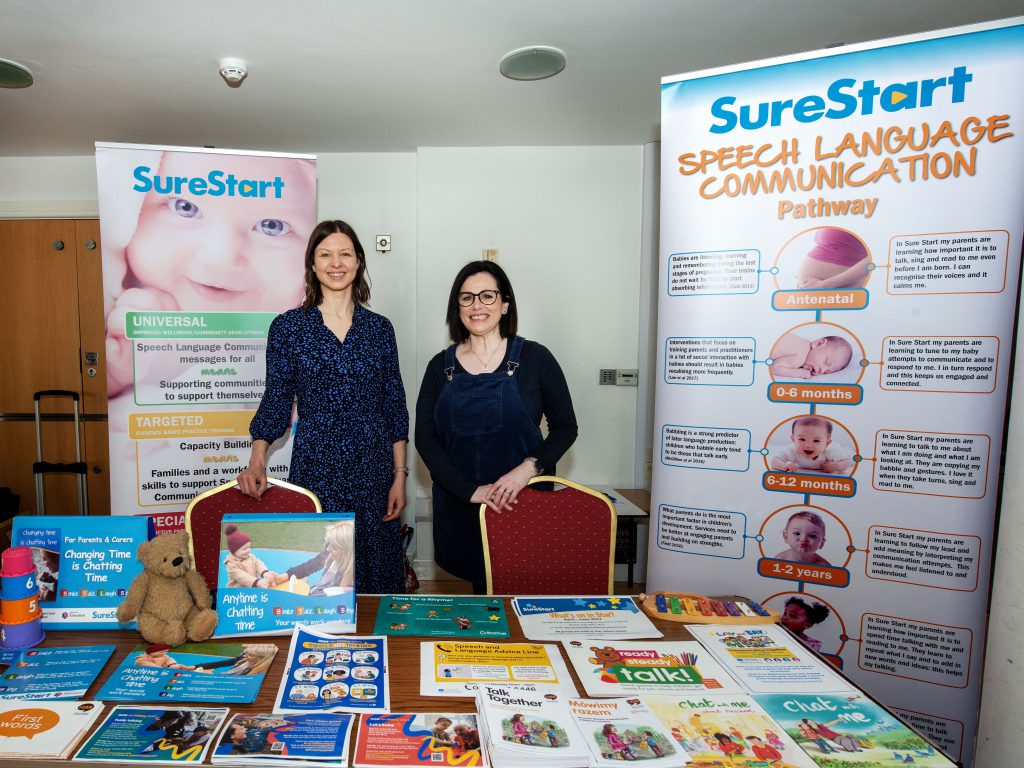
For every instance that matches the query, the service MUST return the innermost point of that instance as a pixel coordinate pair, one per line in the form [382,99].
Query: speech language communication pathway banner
[840,251]
[201,250]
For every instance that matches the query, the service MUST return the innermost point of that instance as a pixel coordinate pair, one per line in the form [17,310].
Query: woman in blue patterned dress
[340,360]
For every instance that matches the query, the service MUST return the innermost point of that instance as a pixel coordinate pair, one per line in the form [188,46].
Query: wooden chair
[205,512]
[557,542]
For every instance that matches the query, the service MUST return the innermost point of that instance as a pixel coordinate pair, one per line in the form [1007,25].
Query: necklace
[487,362]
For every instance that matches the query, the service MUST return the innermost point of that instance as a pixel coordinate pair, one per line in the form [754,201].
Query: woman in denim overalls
[478,416]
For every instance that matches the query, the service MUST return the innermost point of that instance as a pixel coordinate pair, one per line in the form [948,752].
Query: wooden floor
[460,587]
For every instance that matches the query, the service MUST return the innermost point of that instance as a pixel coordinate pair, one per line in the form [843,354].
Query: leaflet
[279,570]
[841,729]
[324,673]
[315,739]
[84,566]
[133,735]
[716,726]
[767,659]
[64,723]
[441,616]
[53,673]
[624,667]
[453,668]
[409,740]
[555,618]
[523,728]
[222,672]
[624,729]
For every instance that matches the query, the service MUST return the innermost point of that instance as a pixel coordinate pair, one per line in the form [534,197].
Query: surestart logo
[215,184]
[843,98]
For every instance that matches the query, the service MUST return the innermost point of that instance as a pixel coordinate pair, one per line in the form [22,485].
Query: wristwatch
[536,464]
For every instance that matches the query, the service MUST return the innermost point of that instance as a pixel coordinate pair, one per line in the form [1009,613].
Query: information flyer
[202,248]
[453,668]
[840,251]
[324,673]
[84,566]
[280,570]
[630,668]
[52,673]
[208,672]
[555,618]
[441,616]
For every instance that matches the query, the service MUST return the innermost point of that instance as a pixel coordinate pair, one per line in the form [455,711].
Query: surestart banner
[840,251]
[201,250]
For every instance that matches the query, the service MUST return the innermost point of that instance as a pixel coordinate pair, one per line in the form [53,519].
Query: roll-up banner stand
[840,253]
[202,248]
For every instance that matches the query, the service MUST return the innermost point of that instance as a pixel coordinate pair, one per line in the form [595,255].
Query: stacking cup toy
[21,623]
[22,635]
[17,574]
[20,611]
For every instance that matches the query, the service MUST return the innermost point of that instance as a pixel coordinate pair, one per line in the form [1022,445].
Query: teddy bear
[169,599]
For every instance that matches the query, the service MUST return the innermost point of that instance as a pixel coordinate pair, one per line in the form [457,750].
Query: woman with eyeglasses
[478,416]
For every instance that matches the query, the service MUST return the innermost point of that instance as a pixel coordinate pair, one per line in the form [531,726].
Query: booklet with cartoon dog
[630,667]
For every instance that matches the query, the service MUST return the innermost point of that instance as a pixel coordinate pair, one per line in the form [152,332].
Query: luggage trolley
[40,467]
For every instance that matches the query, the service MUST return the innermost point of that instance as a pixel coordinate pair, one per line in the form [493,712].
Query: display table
[403,667]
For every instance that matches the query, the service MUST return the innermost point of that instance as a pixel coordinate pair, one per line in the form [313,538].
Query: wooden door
[51,316]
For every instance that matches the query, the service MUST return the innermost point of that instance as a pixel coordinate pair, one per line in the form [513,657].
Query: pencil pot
[24,635]
[20,611]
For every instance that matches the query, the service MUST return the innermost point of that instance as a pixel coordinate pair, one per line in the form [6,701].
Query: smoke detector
[233,71]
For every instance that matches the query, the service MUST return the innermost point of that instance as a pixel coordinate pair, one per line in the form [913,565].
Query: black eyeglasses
[486,297]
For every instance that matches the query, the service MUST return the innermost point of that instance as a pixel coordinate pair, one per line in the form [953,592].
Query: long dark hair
[314,294]
[509,323]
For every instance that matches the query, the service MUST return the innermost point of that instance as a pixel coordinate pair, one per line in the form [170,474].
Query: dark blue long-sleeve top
[351,411]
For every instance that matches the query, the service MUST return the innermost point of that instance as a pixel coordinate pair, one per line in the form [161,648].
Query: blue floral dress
[351,411]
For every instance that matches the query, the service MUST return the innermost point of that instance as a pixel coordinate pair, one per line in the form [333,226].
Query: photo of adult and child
[47,564]
[302,556]
[210,658]
[811,445]
[252,735]
[456,732]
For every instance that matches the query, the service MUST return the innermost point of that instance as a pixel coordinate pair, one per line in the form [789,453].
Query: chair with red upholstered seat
[555,542]
[205,512]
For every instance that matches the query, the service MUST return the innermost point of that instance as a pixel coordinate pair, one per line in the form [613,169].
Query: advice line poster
[840,246]
[201,250]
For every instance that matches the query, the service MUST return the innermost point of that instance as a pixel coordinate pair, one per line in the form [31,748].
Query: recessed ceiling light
[534,62]
[14,75]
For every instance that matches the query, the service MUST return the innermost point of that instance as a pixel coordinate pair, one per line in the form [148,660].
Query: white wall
[48,187]
[566,222]
[376,194]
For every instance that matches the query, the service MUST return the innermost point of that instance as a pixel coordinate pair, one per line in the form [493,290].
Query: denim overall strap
[486,431]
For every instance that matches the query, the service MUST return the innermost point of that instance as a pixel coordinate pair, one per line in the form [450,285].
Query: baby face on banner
[225,253]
